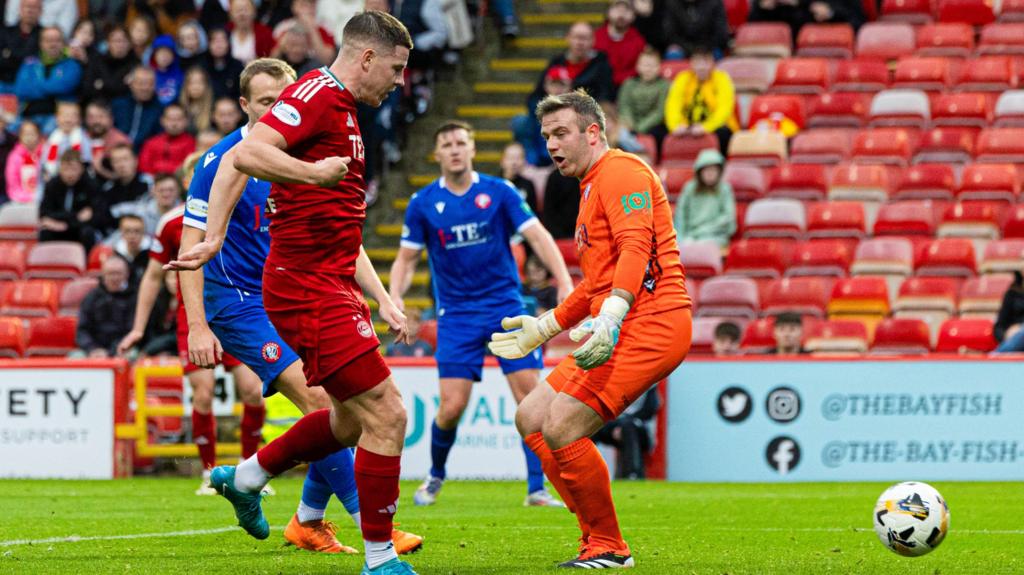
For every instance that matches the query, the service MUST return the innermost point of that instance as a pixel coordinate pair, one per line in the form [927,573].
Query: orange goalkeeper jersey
[625,239]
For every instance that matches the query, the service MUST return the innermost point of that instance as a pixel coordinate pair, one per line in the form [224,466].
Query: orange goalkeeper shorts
[650,348]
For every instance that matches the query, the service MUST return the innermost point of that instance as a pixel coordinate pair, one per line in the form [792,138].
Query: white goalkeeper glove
[604,333]
[528,333]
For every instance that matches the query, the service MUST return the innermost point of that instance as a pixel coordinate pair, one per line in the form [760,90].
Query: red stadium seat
[893,146]
[763,39]
[1003,256]
[19,221]
[951,40]
[758,147]
[908,108]
[1001,38]
[672,68]
[683,150]
[988,74]
[57,260]
[906,218]
[759,337]
[428,332]
[12,261]
[948,257]
[650,144]
[12,337]
[801,76]
[989,182]
[947,145]
[673,178]
[31,298]
[771,112]
[909,11]
[760,257]
[901,336]
[859,296]
[741,213]
[836,337]
[1013,227]
[836,220]
[1012,11]
[1001,145]
[971,220]
[748,182]
[922,73]
[860,183]
[885,40]
[983,296]
[749,75]
[821,146]
[72,294]
[701,259]
[803,295]
[928,294]
[51,336]
[798,181]
[861,76]
[825,41]
[567,246]
[97,255]
[884,257]
[728,296]
[704,332]
[827,257]
[775,218]
[964,109]
[965,335]
[926,182]
[840,110]
[1010,109]
[973,12]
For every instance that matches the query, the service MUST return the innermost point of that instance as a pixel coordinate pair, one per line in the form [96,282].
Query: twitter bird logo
[734,404]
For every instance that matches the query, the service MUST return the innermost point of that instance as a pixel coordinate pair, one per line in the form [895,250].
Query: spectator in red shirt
[163,153]
[249,39]
[620,40]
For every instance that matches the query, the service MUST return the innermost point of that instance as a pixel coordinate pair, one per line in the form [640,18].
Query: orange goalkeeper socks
[586,477]
[536,443]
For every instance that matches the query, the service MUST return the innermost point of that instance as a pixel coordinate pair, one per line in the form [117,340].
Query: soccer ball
[911,518]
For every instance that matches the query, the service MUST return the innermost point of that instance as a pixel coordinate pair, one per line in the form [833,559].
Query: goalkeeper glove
[604,333]
[528,334]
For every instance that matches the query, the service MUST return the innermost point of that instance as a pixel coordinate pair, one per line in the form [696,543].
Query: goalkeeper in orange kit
[639,328]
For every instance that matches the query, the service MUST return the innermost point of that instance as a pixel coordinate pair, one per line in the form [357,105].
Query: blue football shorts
[462,337]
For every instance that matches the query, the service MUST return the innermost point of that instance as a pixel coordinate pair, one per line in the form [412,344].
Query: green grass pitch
[482,528]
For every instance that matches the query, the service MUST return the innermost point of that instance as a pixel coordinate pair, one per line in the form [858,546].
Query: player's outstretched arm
[401,274]
[262,155]
[544,246]
[149,288]
[369,281]
[204,348]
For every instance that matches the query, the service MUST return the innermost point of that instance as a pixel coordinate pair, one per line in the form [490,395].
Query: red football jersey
[167,241]
[312,228]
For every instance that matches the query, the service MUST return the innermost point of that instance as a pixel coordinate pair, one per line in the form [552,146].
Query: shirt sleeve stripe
[527,224]
[193,223]
[410,245]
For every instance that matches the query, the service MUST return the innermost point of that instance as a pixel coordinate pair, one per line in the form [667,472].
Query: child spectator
[168,74]
[513,160]
[620,41]
[789,334]
[706,209]
[702,101]
[163,153]
[69,135]
[538,285]
[727,339]
[642,97]
[23,171]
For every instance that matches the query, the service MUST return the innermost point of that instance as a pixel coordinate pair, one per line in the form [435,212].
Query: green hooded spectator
[706,209]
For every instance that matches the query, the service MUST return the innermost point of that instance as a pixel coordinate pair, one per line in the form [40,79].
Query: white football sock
[249,476]
[306,513]
[357,518]
[379,553]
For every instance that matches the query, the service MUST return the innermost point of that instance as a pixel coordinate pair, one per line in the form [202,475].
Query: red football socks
[252,428]
[204,435]
[586,476]
[310,439]
[377,483]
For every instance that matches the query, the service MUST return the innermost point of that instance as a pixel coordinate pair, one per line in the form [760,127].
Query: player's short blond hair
[451,126]
[378,29]
[588,111]
[276,69]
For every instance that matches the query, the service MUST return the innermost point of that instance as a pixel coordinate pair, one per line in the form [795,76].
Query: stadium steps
[502,88]
[539,43]
[477,111]
[388,231]
[482,156]
[422,303]
[518,64]
[562,19]
[387,255]
[419,279]
[417,181]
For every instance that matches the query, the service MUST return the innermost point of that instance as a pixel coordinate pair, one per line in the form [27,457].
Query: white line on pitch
[77,538]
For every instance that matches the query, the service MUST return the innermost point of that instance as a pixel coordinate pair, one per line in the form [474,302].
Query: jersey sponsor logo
[349,123]
[635,202]
[582,239]
[439,206]
[464,235]
[209,158]
[482,201]
[197,207]
[287,114]
[364,329]
[271,352]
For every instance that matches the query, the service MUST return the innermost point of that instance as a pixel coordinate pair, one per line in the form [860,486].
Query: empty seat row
[44,298]
[43,337]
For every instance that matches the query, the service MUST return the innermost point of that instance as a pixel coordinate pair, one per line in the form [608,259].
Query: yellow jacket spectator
[702,100]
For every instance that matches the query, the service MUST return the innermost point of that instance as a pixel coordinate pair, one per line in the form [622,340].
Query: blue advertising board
[866,420]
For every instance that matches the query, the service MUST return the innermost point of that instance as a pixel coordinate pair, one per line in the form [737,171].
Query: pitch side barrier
[764,419]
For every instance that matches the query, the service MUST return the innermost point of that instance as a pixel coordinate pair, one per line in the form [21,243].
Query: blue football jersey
[467,240]
[239,265]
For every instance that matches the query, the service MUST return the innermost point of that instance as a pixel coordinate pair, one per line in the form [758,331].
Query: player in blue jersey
[224,303]
[466,221]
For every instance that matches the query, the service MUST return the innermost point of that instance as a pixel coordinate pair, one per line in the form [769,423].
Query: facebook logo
[783,454]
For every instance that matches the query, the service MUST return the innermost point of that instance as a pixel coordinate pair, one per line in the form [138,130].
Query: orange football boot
[317,535]
[406,542]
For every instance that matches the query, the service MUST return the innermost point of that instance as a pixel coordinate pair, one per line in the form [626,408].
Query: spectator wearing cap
[526,127]
[587,68]
[18,41]
[45,78]
[137,115]
[702,100]
[169,76]
[789,334]
[620,41]
[706,209]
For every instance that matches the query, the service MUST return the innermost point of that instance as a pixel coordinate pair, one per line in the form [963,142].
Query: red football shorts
[325,319]
[228,360]
[650,348]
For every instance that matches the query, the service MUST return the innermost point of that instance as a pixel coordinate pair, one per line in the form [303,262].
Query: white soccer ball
[911,518]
